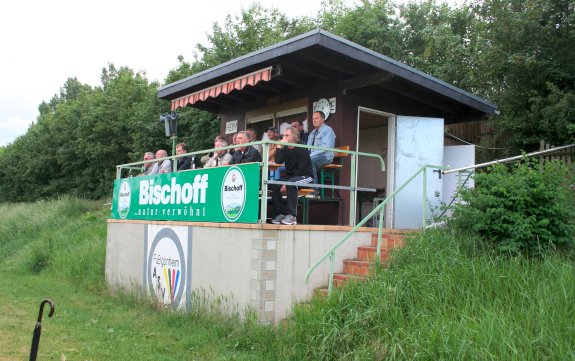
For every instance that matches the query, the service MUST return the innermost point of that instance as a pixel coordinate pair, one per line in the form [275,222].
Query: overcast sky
[45,42]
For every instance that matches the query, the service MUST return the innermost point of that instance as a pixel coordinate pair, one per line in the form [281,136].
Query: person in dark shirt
[303,135]
[245,154]
[298,169]
[184,163]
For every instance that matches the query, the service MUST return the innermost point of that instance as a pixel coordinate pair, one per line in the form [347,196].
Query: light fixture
[170,123]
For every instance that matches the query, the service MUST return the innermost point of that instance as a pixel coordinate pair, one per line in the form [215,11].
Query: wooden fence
[562,155]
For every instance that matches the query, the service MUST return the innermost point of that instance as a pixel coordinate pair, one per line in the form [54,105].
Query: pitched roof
[318,56]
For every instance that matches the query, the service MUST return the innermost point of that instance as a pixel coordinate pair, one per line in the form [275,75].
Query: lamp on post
[171,127]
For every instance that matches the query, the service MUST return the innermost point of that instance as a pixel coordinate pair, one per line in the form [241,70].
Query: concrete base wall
[254,266]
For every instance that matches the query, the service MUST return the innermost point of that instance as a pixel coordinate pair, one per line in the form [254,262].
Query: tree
[256,27]
[529,58]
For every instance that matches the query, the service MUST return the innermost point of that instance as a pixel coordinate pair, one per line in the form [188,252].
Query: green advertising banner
[222,194]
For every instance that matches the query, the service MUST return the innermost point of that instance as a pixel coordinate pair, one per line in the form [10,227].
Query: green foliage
[56,249]
[527,209]
[254,28]
[440,299]
[517,54]
[527,59]
[39,257]
[81,135]
[64,236]
[443,296]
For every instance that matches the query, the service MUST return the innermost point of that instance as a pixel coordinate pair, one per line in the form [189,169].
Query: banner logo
[233,194]
[167,268]
[124,199]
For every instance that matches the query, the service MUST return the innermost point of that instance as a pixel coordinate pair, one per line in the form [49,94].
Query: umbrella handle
[49,301]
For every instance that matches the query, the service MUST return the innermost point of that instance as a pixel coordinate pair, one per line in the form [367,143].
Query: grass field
[442,298]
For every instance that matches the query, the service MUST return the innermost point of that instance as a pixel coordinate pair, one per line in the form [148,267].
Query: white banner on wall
[167,267]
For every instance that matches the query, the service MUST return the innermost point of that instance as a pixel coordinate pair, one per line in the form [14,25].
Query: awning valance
[224,88]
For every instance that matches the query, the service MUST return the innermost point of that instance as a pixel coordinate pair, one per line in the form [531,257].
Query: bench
[328,171]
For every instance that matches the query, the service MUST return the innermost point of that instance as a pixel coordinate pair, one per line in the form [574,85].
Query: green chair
[328,171]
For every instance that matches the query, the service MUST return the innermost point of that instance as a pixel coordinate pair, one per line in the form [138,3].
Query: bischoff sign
[124,199]
[222,194]
[233,194]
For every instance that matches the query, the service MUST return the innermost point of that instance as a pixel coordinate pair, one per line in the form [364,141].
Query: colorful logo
[124,199]
[167,268]
[233,194]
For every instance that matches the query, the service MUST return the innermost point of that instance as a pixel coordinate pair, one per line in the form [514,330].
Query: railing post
[379,233]
[331,270]
[264,187]
[424,218]
[353,193]
[118,172]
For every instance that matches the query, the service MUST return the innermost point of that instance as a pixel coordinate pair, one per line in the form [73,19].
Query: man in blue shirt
[321,136]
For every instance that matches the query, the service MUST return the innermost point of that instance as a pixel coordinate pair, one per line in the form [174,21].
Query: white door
[418,142]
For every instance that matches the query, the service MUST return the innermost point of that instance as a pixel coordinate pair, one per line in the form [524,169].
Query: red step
[357,267]
[339,279]
[360,268]
[388,240]
[320,292]
[369,253]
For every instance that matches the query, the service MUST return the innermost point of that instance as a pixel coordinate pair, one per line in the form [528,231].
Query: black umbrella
[38,329]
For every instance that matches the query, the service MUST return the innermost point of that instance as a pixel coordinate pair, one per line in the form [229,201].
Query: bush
[527,208]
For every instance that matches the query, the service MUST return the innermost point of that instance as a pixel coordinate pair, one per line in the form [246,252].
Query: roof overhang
[316,57]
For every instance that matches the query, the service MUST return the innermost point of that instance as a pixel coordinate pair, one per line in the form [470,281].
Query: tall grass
[442,299]
[64,236]
[56,249]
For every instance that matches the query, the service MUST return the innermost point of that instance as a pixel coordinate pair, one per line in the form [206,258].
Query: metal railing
[380,208]
[353,188]
[510,159]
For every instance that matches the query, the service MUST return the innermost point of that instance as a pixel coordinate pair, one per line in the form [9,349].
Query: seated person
[208,156]
[184,163]
[298,169]
[243,154]
[220,157]
[321,136]
[149,168]
[164,165]
[303,135]
[272,133]
[253,137]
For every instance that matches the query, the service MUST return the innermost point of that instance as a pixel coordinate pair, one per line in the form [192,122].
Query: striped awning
[224,88]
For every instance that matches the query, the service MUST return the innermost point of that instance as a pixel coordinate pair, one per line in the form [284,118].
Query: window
[279,116]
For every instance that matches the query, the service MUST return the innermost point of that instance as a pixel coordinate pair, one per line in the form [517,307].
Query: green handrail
[354,154]
[265,168]
[380,208]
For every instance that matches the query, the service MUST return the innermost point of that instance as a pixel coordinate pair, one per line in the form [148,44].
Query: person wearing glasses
[298,169]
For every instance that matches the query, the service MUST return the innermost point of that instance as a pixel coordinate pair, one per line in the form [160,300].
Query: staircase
[361,267]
